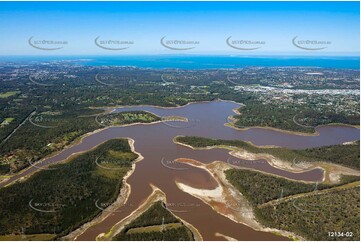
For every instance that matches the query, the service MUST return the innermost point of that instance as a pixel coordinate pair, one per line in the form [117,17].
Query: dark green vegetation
[48,131]
[127,118]
[295,78]
[23,237]
[155,224]
[334,215]
[59,200]
[61,95]
[44,132]
[346,155]
[4,168]
[301,118]
[260,188]
[336,210]
[313,118]
[312,214]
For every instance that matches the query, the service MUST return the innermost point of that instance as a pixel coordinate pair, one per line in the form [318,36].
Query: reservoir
[155,143]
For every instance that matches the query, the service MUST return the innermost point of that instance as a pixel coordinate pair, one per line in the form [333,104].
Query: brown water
[155,143]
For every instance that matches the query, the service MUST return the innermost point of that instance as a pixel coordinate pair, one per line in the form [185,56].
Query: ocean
[197,62]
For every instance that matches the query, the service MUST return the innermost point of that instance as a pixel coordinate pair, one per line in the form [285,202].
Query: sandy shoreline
[156,195]
[299,133]
[161,107]
[119,202]
[331,171]
[77,141]
[230,202]
[333,175]
[73,155]
[123,196]
[72,144]
[225,236]
[245,155]
[80,139]
[218,199]
[316,133]
[235,110]
[303,133]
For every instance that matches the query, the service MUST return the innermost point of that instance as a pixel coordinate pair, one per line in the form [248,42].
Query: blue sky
[209,23]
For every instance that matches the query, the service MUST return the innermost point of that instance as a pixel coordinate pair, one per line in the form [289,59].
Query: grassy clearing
[8,94]
[6,121]
[32,237]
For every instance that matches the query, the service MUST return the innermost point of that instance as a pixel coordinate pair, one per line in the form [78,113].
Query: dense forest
[346,155]
[158,217]
[260,188]
[49,202]
[128,117]
[316,212]
[50,131]
[334,215]
[43,133]
[301,118]
[61,95]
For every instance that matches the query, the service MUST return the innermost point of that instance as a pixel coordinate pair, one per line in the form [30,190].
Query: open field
[32,237]
[8,94]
